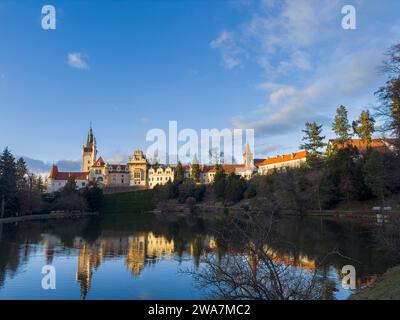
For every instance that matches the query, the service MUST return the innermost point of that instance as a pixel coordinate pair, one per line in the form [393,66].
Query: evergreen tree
[179,174]
[219,182]
[93,196]
[40,185]
[70,186]
[8,183]
[364,127]
[342,174]
[341,126]
[195,172]
[235,188]
[314,141]
[21,174]
[375,175]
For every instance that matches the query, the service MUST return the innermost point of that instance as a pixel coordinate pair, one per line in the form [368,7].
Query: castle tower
[248,158]
[138,168]
[89,151]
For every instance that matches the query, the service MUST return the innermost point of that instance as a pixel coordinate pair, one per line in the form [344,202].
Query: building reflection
[138,250]
[147,248]
[88,259]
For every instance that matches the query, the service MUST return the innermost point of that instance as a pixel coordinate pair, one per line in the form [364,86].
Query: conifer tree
[375,175]
[219,182]
[314,141]
[195,172]
[21,173]
[70,186]
[40,185]
[179,173]
[8,183]
[341,126]
[364,127]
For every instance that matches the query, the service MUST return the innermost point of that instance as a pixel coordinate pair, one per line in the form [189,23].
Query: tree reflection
[251,269]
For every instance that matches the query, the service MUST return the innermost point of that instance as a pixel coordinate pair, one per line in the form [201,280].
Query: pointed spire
[247,150]
[89,140]
[195,160]
[53,172]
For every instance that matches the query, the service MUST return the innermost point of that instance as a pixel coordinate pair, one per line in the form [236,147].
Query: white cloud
[145,120]
[268,149]
[118,158]
[281,93]
[298,61]
[310,64]
[287,108]
[223,38]
[43,168]
[77,60]
[230,51]
[278,35]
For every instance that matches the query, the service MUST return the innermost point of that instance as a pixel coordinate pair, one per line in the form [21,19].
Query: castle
[138,172]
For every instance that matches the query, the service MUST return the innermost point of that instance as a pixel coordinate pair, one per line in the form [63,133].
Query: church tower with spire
[248,158]
[89,151]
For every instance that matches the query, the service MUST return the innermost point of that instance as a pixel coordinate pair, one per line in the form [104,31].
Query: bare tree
[388,234]
[254,271]
[389,95]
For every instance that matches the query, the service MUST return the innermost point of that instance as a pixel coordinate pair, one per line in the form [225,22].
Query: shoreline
[387,287]
[52,215]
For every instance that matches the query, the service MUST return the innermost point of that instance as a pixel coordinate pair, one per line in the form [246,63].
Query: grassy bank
[386,288]
[53,215]
[128,202]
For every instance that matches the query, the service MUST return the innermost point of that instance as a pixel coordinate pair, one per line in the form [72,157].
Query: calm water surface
[139,257]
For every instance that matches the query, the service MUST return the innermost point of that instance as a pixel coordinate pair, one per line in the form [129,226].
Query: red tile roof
[377,144]
[258,161]
[99,163]
[57,175]
[53,172]
[228,168]
[284,158]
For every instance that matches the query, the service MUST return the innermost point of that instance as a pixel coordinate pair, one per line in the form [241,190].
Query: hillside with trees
[24,193]
[337,173]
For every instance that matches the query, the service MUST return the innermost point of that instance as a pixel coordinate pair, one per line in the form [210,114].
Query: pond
[141,257]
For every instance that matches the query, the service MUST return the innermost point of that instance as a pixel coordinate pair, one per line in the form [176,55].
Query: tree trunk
[319,200]
[2,206]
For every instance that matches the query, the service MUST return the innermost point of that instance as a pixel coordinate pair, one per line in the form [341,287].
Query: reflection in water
[138,250]
[145,242]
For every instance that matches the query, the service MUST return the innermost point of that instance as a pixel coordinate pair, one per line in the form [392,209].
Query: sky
[130,66]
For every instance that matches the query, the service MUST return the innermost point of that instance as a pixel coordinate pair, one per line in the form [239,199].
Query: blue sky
[130,66]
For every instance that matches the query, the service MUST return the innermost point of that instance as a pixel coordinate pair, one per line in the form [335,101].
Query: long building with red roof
[139,172]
